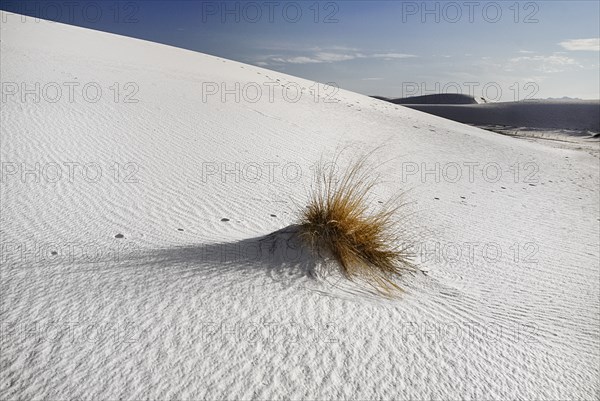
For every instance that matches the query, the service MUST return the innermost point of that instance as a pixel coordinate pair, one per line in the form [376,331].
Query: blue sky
[503,50]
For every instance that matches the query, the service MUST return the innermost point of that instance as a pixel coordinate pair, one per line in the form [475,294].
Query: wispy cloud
[547,64]
[285,46]
[389,55]
[295,60]
[592,45]
[328,57]
[332,57]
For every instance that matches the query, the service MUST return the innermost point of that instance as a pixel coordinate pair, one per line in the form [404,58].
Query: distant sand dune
[575,116]
[572,115]
[442,98]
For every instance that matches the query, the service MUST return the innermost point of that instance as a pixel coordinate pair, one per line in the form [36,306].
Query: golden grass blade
[340,220]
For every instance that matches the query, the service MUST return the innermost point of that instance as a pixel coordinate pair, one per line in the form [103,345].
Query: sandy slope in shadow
[584,115]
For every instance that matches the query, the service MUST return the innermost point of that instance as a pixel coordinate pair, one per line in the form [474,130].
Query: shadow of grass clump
[340,219]
[281,253]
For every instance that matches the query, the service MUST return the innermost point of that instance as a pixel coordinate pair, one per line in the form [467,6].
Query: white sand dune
[185,306]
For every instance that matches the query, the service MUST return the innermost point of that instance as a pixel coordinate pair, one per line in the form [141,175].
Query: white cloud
[297,60]
[333,56]
[548,64]
[390,55]
[592,45]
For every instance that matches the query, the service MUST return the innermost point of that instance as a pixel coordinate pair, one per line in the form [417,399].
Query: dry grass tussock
[365,237]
